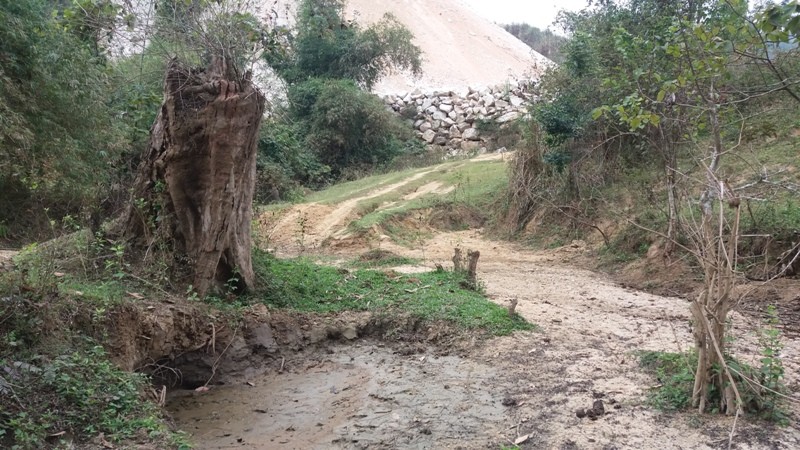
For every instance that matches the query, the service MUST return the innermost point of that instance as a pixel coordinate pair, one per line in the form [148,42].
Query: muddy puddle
[355,396]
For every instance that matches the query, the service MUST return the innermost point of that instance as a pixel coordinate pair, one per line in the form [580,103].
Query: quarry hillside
[460,47]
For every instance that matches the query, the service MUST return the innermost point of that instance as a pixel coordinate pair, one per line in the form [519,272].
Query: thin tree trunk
[716,252]
[192,197]
[672,200]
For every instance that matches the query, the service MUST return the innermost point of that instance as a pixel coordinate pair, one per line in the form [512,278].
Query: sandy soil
[524,388]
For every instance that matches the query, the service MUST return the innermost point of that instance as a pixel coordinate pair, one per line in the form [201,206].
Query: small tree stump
[458,260]
[512,307]
[472,271]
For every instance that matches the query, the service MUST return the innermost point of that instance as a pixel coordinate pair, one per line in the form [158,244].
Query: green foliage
[436,296]
[332,129]
[569,96]
[327,46]
[779,218]
[771,374]
[81,394]
[546,43]
[58,133]
[780,22]
[349,127]
[761,389]
[561,119]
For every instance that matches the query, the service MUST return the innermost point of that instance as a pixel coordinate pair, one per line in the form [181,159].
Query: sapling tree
[680,97]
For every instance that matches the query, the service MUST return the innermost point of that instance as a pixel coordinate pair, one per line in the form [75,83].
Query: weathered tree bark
[192,197]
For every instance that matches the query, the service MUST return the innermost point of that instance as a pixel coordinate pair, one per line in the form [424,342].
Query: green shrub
[326,45]
[350,127]
[760,389]
[331,130]
[79,394]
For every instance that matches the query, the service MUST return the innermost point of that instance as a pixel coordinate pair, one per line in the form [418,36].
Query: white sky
[539,13]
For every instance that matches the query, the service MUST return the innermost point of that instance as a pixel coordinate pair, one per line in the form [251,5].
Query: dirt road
[523,388]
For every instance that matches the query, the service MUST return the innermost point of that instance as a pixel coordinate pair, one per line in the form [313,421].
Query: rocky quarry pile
[452,119]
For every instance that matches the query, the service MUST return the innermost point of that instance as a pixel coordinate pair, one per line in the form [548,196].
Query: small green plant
[302,230]
[772,371]
[674,372]
[69,223]
[232,284]
[761,390]
[191,294]
[116,265]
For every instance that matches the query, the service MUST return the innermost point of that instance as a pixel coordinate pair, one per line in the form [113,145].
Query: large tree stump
[192,197]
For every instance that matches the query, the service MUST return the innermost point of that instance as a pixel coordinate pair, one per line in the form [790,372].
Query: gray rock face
[447,118]
[471,134]
[508,117]
[470,146]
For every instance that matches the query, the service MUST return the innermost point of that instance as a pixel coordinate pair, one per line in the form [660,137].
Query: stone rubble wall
[450,119]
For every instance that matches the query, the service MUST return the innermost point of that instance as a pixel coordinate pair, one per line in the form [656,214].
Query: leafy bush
[328,46]
[284,161]
[350,127]
[331,130]
[761,388]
